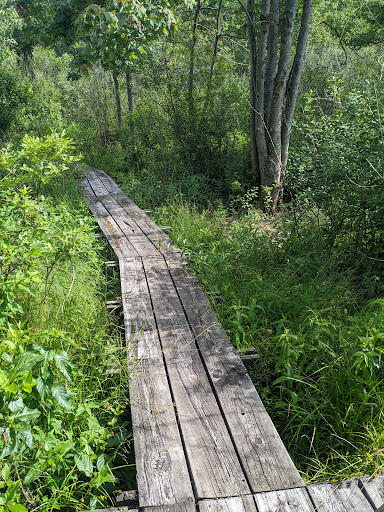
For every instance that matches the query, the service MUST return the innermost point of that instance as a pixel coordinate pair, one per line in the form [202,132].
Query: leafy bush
[57,444]
[13,95]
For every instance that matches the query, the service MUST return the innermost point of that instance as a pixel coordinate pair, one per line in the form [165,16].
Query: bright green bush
[336,167]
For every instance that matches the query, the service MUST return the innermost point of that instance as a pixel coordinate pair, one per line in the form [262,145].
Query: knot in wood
[162,462]
[217,374]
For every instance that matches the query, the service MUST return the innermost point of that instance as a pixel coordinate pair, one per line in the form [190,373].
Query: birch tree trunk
[274,84]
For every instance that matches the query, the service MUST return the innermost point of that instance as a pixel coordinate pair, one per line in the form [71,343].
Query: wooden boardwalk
[202,437]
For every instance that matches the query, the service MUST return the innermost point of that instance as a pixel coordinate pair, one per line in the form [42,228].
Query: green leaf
[63,363]
[33,473]
[26,436]
[15,507]
[16,405]
[5,472]
[84,464]
[12,388]
[61,395]
[27,414]
[102,461]
[44,387]
[25,363]
[28,382]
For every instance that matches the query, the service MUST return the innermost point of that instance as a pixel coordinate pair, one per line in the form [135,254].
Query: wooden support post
[109,265]
[248,355]
[114,306]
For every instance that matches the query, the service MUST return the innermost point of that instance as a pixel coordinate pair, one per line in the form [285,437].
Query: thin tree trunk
[271,179]
[250,12]
[191,105]
[214,56]
[272,44]
[118,109]
[261,142]
[128,80]
[294,82]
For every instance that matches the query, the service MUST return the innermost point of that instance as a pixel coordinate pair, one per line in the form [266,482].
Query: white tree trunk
[274,88]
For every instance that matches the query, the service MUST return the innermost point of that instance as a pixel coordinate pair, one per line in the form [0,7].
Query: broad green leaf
[84,464]
[102,461]
[27,414]
[44,387]
[26,436]
[61,395]
[3,378]
[5,472]
[12,388]
[25,363]
[16,405]
[15,507]
[28,382]
[12,446]
[63,363]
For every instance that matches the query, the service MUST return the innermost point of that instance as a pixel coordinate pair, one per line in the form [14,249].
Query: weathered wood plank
[116,238]
[288,500]
[173,326]
[162,474]
[215,468]
[180,507]
[374,489]
[157,237]
[238,504]
[140,327]
[339,497]
[263,455]
[128,226]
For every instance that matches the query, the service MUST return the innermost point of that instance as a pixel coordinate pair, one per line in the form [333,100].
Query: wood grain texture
[339,497]
[157,237]
[126,223]
[238,504]
[215,468]
[288,500]
[116,238]
[180,507]
[141,334]
[374,488]
[263,455]
[162,474]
